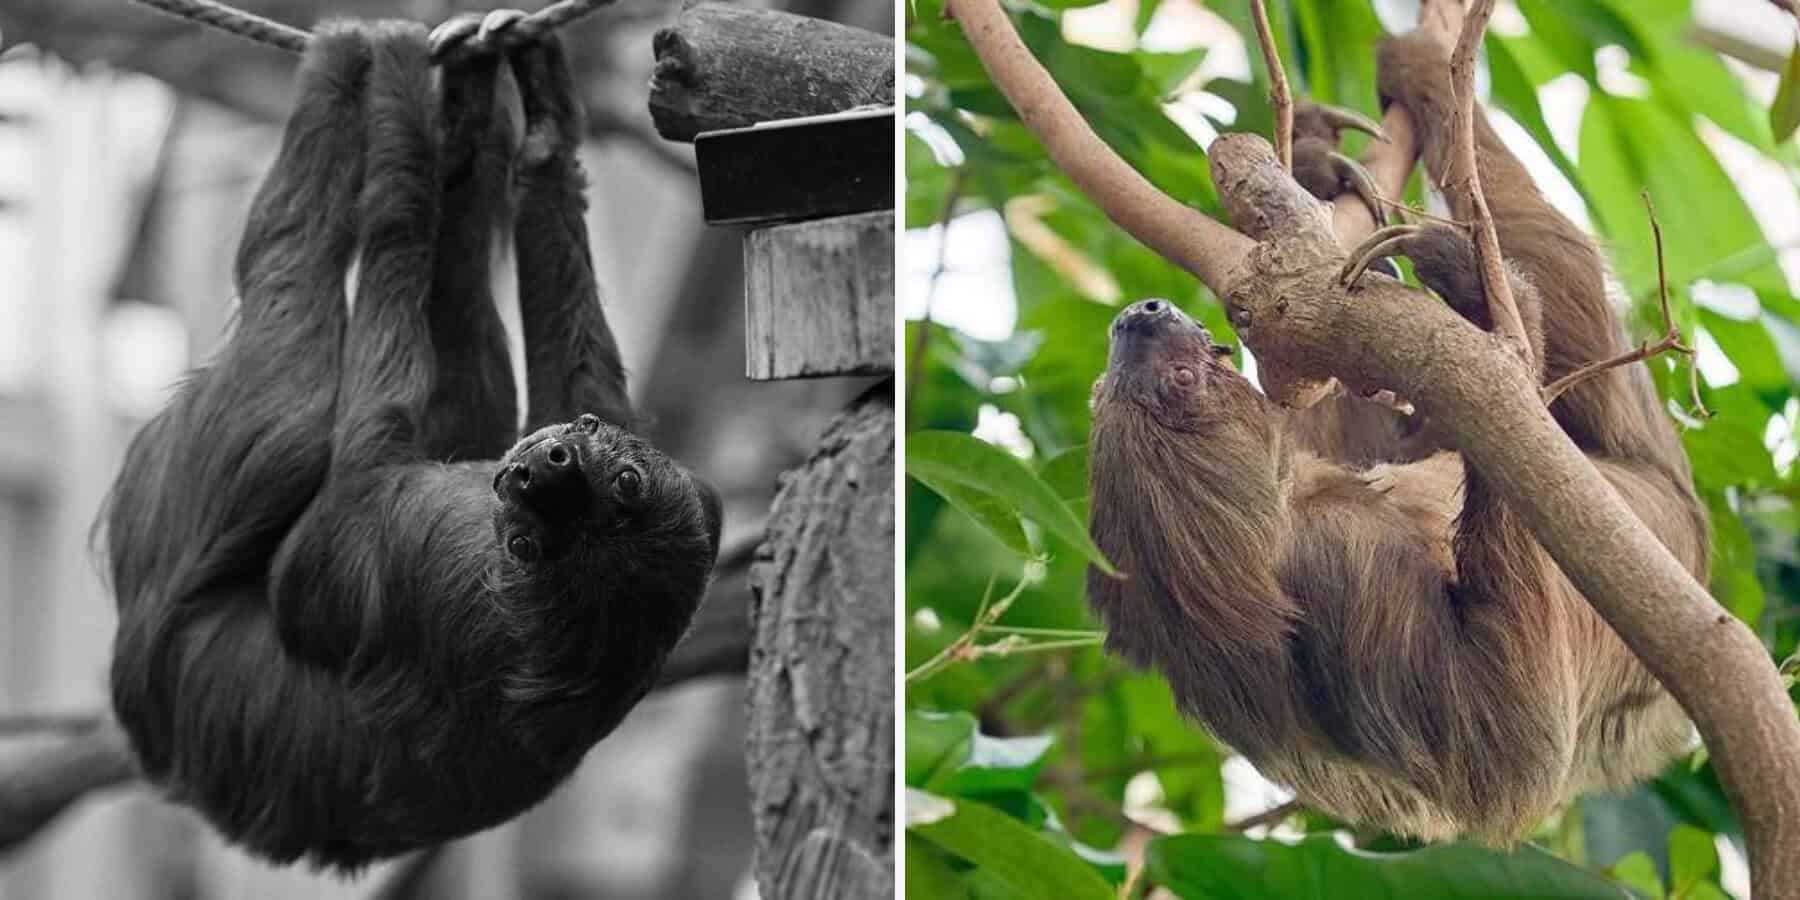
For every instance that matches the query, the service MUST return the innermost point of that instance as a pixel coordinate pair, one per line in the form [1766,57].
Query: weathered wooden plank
[728,66]
[819,298]
[821,713]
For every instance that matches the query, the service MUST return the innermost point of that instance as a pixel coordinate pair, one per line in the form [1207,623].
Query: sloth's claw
[1336,119]
[1358,181]
[1389,241]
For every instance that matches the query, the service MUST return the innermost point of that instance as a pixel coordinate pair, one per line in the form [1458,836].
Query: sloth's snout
[1147,315]
[548,479]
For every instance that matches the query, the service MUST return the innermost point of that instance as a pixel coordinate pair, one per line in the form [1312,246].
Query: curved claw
[1327,121]
[1360,182]
[1380,245]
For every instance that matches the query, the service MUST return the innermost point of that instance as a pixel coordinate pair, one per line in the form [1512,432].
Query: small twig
[1463,184]
[967,646]
[1415,211]
[915,362]
[1269,817]
[1279,96]
[1671,339]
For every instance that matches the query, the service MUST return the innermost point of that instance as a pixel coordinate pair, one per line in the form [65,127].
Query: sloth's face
[1165,365]
[583,488]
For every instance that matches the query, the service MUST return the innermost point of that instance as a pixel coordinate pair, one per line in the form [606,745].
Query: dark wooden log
[821,705]
[724,66]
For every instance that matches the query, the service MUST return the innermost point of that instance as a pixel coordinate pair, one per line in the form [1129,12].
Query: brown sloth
[1363,619]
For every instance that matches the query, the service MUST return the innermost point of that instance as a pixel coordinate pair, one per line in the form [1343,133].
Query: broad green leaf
[1784,113]
[1638,872]
[935,743]
[928,875]
[994,515]
[939,458]
[1692,859]
[1220,867]
[1067,474]
[1026,861]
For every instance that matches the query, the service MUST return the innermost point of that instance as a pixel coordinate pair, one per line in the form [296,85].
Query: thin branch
[1671,339]
[1177,232]
[1463,184]
[1268,817]
[967,646]
[915,361]
[1416,212]
[1279,95]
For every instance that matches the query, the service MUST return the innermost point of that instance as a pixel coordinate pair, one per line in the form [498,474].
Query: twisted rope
[294,40]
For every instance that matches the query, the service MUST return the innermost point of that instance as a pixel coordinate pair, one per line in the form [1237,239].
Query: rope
[294,40]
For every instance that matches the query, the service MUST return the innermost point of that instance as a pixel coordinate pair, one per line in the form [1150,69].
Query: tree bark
[822,668]
[726,66]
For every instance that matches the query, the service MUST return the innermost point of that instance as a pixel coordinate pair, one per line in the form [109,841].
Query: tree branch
[1671,339]
[1284,297]
[1178,232]
[1279,95]
[1462,182]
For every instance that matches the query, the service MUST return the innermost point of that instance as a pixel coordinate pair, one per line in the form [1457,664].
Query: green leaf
[1220,867]
[1026,861]
[990,512]
[1638,872]
[928,874]
[938,458]
[1784,113]
[936,742]
[1692,859]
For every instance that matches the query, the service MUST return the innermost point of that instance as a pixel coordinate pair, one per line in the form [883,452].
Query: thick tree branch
[1284,297]
[1178,232]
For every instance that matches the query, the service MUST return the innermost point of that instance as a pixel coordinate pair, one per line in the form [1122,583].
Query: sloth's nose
[548,479]
[1145,314]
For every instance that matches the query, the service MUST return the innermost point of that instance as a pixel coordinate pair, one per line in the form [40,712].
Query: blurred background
[130,144]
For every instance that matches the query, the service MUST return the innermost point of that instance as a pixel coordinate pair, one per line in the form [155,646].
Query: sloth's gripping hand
[1320,167]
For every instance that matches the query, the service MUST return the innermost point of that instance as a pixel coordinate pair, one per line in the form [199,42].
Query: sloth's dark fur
[343,634]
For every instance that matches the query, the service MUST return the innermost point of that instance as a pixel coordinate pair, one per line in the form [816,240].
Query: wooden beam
[819,298]
[727,66]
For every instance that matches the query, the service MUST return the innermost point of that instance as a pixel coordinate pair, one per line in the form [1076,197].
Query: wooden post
[819,301]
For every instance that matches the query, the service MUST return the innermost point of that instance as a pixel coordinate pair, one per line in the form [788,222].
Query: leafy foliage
[1037,774]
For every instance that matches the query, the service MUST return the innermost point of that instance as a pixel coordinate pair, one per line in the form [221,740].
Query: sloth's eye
[522,548]
[1183,376]
[628,483]
[1221,350]
[588,422]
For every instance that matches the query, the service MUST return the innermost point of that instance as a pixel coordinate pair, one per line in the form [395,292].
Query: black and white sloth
[352,621]
[1362,617]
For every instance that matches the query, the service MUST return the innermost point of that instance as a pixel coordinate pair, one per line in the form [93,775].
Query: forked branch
[1671,339]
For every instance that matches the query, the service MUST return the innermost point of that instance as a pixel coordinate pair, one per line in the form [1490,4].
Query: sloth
[1358,612]
[347,630]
